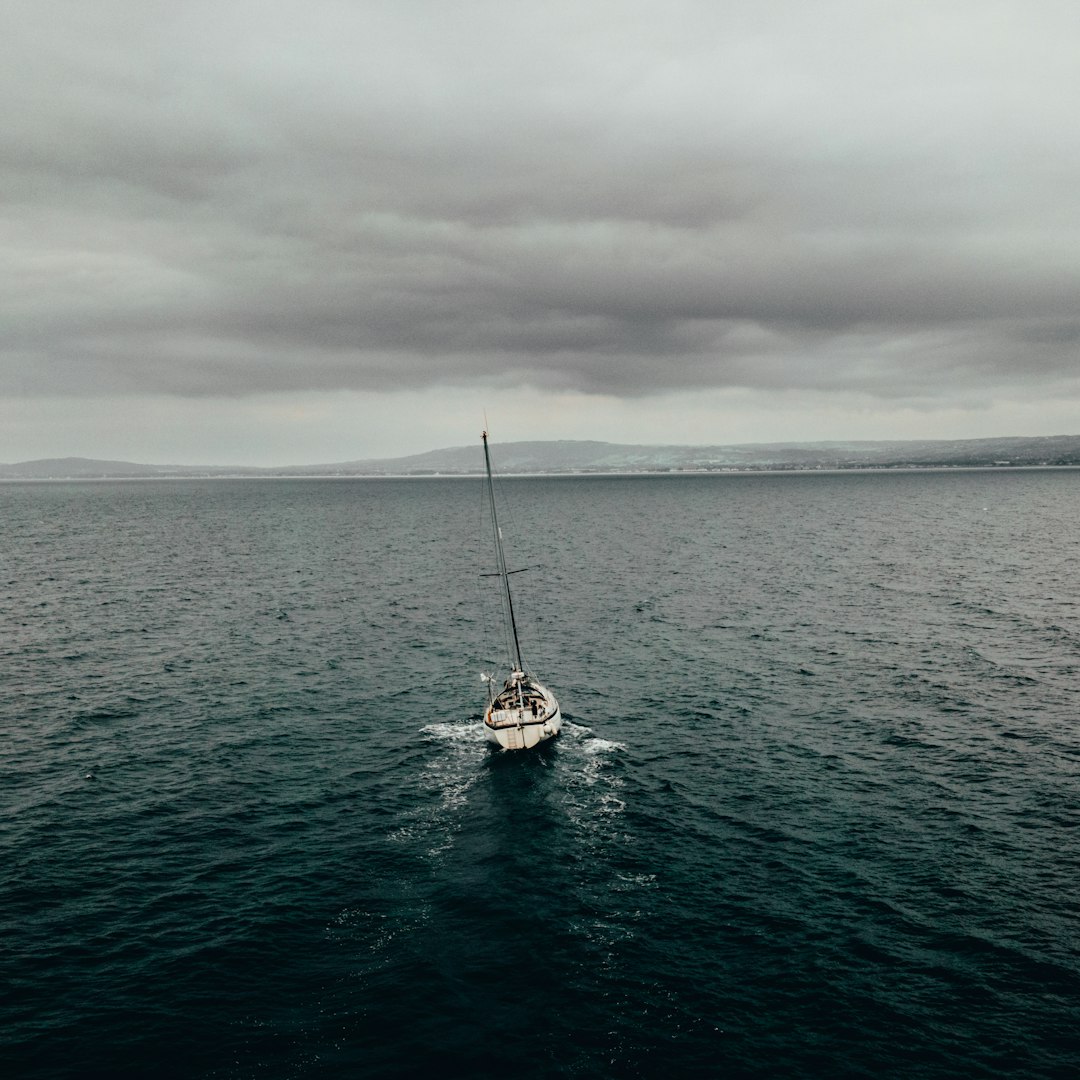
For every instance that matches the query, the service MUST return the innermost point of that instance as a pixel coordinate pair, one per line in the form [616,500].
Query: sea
[814,810]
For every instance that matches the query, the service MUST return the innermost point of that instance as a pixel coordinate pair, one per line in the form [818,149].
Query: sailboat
[523,713]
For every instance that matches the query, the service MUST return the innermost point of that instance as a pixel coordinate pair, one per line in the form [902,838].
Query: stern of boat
[518,729]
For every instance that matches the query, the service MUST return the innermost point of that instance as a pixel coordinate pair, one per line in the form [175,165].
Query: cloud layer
[627,199]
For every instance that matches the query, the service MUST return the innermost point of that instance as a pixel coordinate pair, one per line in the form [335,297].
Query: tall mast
[501,557]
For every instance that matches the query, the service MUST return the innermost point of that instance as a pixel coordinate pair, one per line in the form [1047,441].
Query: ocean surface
[815,809]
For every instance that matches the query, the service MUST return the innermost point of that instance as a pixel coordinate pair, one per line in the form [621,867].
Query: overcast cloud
[284,231]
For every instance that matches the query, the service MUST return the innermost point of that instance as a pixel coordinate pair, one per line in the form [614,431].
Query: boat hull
[523,715]
[516,729]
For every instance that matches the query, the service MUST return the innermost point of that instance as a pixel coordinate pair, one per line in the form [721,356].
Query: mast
[501,558]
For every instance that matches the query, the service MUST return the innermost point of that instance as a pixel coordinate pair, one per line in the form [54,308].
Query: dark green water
[814,811]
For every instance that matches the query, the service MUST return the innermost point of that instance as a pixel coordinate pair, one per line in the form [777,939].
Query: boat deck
[519,704]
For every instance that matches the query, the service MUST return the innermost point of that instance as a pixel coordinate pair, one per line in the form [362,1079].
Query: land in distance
[580,456]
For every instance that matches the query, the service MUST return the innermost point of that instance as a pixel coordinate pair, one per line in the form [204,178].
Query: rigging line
[506,505]
[489,615]
[494,630]
[501,557]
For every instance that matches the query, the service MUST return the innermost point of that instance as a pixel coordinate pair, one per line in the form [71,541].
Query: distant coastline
[588,458]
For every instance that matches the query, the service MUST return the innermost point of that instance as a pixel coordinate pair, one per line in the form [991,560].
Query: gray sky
[282,232]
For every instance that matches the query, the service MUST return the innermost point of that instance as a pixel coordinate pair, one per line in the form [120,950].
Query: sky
[269,232]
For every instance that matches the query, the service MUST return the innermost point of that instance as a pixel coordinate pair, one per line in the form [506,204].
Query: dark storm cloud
[223,199]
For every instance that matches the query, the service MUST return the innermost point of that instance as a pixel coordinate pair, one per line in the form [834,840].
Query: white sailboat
[523,713]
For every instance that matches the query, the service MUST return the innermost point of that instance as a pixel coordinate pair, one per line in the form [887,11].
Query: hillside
[579,456]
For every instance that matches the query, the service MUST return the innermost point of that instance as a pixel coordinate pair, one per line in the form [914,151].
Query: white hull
[508,733]
[524,715]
